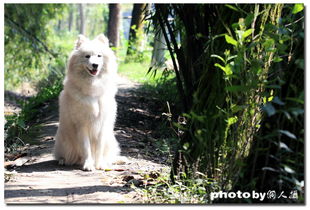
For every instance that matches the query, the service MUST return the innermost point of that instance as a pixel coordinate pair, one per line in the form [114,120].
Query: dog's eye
[87,56]
[99,55]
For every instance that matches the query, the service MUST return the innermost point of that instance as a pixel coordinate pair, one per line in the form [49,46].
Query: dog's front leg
[100,162]
[88,163]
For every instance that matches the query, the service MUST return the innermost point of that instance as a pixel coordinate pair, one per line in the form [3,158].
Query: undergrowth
[21,129]
[189,191]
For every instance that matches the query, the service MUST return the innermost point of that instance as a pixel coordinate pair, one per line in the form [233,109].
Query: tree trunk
[70,18]
[59,25]
[114,24]
[77,19]
[82,19]
[158,58]
[136,27]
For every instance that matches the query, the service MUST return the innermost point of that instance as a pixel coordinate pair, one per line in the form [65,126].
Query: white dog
[87,107]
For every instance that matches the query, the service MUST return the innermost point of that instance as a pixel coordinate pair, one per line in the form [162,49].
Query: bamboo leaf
[289,170]
[246,34]
[288,134]
[230,40]
[277,59]
[232,7]
[231,57]
[220,66]
[297,8]
[226,69]
[269,169]
[282,145]
[269,109]
[219,57]
[277,100]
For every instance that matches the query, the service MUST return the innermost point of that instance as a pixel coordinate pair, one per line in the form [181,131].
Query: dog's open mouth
[92,71]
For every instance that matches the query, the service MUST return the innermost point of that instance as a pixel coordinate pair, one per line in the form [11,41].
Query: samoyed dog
[87,107]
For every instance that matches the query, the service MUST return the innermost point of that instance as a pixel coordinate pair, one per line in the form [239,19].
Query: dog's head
[90,55]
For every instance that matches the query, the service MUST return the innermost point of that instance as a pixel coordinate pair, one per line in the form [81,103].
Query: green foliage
[27,54]
[238,80]
[281,133]
[161,85]
[136,72]
[30,55]
[190,191]
[139,50]
[20,129]
[227,83]
[297,8]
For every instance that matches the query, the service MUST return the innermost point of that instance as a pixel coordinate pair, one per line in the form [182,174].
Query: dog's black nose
[95,66]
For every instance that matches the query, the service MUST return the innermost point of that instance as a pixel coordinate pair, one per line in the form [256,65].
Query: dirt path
[40,179]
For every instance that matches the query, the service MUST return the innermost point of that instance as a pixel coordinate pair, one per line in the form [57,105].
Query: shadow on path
[64,191]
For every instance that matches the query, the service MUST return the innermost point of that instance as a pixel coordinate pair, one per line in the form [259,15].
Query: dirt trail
[42,180]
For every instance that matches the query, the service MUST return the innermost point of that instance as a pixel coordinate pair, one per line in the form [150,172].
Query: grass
[161,85]
[137,72]
[189,191]
[22,128]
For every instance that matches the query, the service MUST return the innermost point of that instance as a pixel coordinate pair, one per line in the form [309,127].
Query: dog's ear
[102,38]
[81,39]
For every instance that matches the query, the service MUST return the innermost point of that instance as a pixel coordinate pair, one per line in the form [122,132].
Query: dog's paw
[88,165]
[101,165]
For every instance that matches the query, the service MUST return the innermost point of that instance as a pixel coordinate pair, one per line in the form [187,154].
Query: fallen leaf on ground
[17,162]
[128,178]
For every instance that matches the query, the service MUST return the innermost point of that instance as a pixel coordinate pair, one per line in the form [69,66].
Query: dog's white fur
[87,107]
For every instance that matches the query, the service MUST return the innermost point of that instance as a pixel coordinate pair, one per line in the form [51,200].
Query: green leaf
[21,123]
[220,66]
[232,120]
[231,57]
[230,40]
[246,34]
[277,59]
[232,7]
[249,19]
[297,112]
[269,44]
[277,100]
[288,134]
[269,109]
[186,146]
[300,63]
[282,145]
[269,169]
[236,108]
[297,8]
[301,101]
[289,170]
[226,69]
[219,57]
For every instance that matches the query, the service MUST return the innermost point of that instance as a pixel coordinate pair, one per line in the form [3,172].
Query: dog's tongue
[93,72]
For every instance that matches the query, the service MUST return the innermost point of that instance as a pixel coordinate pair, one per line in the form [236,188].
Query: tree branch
[179,81]
[30,35]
